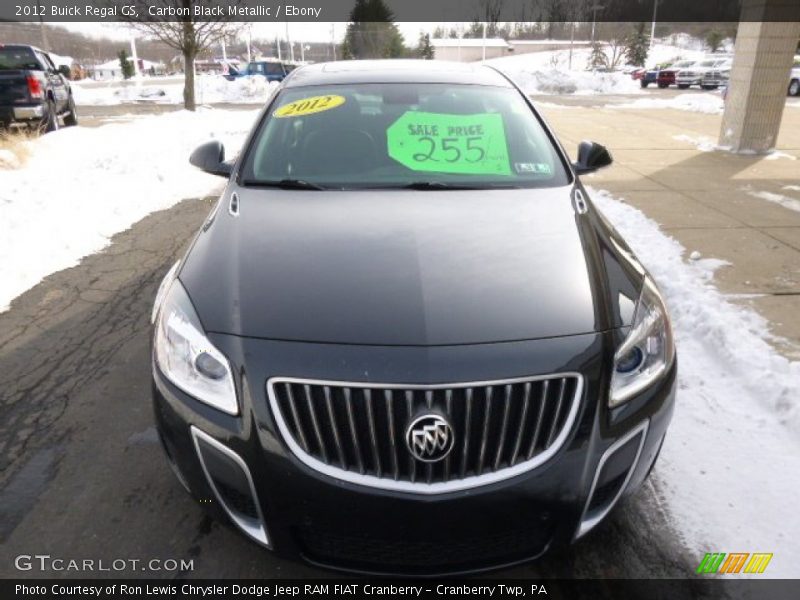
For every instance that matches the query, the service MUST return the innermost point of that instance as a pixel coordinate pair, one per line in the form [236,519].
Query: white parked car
[717,76]
[794,78]
[695,74]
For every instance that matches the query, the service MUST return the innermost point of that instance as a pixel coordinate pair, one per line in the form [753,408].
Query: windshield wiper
[444,185]
[284,184]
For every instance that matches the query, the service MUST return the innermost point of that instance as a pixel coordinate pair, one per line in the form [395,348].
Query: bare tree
[489,12]
[184,33]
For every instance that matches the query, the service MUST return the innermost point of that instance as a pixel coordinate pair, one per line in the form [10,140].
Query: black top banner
[53,11]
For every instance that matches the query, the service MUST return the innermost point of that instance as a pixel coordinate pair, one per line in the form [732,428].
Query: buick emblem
[429,438]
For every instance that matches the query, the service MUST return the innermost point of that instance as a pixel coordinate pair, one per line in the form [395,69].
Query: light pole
[595,8]
[653,28]
[484,40]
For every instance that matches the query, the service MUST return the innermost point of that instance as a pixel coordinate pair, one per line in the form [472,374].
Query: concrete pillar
[760,75]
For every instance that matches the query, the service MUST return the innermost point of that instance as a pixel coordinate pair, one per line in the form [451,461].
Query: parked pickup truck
[273,70]
[32,91]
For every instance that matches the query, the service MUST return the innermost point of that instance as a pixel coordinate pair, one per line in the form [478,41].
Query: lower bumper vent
[232,484]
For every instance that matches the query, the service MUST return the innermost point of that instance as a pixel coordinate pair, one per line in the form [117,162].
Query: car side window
[44,61]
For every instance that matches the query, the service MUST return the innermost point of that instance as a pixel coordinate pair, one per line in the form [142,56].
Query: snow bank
[558,82]
[706,144]
[82,185]
[731,461]
[549,73]
[552,72]
[711,104]
[210,89]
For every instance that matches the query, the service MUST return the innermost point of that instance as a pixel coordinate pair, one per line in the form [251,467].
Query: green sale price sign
[443,143]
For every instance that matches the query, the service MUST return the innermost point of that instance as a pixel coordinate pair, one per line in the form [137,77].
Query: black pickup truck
[32,91]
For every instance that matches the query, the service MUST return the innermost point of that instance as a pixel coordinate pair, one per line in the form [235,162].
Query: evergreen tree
[598,58]
[424,48]
[125,65]
[714,39]
[637,47]
[372,32]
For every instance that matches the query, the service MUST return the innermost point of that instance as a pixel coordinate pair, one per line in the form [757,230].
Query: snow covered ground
[111,176]
[729,472]
[210,89]
[552,72]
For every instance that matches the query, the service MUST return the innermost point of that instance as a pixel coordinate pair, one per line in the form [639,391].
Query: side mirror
[210,157]
[591,156]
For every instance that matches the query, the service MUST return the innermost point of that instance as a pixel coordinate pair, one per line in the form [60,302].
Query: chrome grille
[357,432]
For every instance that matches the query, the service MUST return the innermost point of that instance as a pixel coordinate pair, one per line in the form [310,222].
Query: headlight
[162,290]
[185,355]
[647,352]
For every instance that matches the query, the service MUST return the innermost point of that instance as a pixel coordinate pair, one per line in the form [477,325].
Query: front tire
[663,86]
[709,87]
[71,118]
[644,83]
[683,86]
[794,87]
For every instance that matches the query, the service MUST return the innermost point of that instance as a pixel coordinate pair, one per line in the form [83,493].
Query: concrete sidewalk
[742,209]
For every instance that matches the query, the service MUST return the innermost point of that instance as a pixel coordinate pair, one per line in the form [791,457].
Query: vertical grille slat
[359,432]
[487,416]
[373,438]
[412,462]
[295,415]
[334,427]
[556,411]
[538,426]
[351,419]
[467,432]
[448,407]
[389,396]
[526,398]
[502,443]
[315,423]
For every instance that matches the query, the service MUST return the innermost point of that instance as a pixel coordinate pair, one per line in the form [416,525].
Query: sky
[307,32]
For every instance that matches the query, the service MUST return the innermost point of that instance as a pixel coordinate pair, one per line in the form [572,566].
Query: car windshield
[18,58]
[391,135]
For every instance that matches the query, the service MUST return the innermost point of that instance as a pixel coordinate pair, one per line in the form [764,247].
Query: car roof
[19,46]
[395,71]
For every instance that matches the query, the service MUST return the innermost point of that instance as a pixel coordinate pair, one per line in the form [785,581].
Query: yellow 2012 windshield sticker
[443,143]
[309,106]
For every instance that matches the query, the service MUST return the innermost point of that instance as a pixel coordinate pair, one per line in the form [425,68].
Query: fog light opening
[604,495]
[229,478]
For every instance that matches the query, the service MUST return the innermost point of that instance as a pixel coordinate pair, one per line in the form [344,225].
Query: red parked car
[666,76]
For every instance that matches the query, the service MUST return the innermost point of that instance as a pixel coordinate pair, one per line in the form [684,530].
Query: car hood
[400,267]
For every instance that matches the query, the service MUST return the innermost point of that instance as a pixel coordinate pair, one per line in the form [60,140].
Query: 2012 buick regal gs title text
[197,10]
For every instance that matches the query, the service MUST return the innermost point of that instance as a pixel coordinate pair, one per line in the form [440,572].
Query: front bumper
[324,520]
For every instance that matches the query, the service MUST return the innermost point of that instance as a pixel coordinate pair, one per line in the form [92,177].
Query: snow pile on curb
[711,104]
[553,81]
[549,72]
[732,456]
[82,185]
[706,144]
[210,89]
